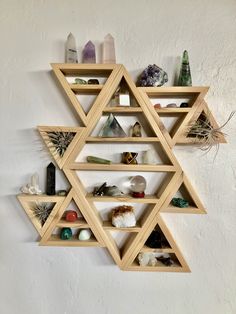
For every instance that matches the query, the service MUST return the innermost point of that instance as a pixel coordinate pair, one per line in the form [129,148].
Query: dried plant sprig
[41,211]
[59,141]
[202,130]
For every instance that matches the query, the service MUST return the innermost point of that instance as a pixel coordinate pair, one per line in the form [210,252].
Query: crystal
[66,234]
[109,50]
[157,106]
[62,193]
[106,190]
[166,260]
[51,179]
[112,128]
[157,240]
[71,52]
[172,105]
[71,215]
[84,235]
[79,80]
[123,217]
[185,78]
[129,158]
[153,76]
[93,81]
[184,105]
[147,259]
[97,160]
[179,202]
[33,186]
[136,130]
[148,157]
[89,54]
[138,186]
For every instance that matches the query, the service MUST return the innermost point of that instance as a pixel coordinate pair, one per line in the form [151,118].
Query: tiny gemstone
[173,105]
[180,202]
[80,81]
[136,130]
[93,81]
[184,105]
[71,216]
[66,234]
[157,106]
[62,193]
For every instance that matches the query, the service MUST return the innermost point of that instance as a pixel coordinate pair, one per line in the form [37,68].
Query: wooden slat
[80,223]
[122,139]
[174,90]
[156,250]
[108,226]
[87,88]
[123,109]
[172,110]
[55,240]
[148,199]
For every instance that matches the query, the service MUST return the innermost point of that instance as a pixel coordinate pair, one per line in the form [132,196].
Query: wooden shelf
[174,268]
[108,226]
[41,197]
[174,90]
[172,110]
[123,109]
[87,88]
[121,167]
[55,240]
[187,210]
[80,223]
[123,139]
[148,199]
[157,250]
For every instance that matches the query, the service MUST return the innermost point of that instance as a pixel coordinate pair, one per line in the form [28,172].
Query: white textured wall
[70,280]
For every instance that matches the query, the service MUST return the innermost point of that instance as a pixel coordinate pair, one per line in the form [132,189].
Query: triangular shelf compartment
[59,222]
[192,95]
[170,251]
[51,137]
[29,203]
[65,72]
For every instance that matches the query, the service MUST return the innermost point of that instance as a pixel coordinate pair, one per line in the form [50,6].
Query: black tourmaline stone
[157,240]
[51,179]
[184,105]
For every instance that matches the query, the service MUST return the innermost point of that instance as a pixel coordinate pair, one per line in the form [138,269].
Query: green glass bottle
[185,78]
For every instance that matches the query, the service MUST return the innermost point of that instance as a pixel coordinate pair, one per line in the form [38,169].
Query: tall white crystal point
[109,55]
[71,52]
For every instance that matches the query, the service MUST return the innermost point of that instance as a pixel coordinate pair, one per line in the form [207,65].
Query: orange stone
[71,216]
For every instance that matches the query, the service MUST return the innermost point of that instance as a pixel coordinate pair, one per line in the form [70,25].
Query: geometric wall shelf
[165,176]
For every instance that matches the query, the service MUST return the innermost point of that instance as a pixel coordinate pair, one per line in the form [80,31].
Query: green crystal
[179,202]
[80,81]
[185,78]
[98,160]
[66,234]
[112,128]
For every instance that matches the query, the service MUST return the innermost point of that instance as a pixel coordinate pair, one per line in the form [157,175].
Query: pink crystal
[109,50]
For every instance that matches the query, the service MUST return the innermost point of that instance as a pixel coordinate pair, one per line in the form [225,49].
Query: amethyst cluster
[153,76]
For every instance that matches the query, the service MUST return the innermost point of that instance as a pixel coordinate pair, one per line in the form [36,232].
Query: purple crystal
[89,54]
[153,76]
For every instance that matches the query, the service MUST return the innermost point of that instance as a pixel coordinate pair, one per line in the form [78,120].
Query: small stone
[97,160]
[157,106]
[184,105]
[153,76]
[136,130]
[179,202]
[129,158]
[85,235]
[167,261]
[93,81]
[172,105]
[71,216]
[112,191]
[157,240]
[79,80]
[66,234]
[62,193]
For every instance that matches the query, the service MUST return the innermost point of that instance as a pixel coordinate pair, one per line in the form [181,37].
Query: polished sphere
[138,184]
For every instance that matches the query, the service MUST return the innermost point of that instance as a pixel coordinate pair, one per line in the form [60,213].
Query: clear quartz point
[71,51]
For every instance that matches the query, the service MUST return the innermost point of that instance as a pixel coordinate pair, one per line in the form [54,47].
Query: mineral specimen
[66,234]
[93,81]
[105,190]
[123,217]
[153,76]
[157,106]
[148,157]
[33,186]
[71,52]
[179,202]
[79,80]
[84,235]
[71,215]
[147,259]
[185,78]
[157,240]
[166,260]
[138,186]
[51,179]
[89,54]
[136,130]
[184,105]
[129,158]
[109,50]
[112,128]
[62,193]
[172,105]
[97,160]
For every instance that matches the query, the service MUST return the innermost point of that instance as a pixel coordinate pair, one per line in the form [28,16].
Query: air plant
[42,211]
[60,141]
[202,130]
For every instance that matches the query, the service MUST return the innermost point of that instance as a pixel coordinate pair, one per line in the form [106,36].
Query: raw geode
[123,217]
[153,76]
